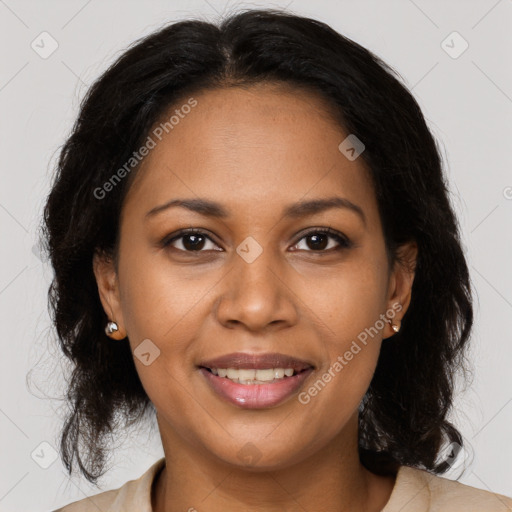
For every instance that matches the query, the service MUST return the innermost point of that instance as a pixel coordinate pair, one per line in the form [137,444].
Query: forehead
[255,147]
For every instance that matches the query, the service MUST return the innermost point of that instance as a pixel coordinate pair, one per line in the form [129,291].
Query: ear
[400,283]
[108,289]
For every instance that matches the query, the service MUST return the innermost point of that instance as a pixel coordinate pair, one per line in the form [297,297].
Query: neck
[333,479]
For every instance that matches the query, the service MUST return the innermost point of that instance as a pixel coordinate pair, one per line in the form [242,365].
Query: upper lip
[243,360]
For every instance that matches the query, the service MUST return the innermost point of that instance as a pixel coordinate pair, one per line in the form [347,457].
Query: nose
[256,295]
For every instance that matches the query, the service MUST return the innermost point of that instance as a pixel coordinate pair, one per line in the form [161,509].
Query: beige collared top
[415,490]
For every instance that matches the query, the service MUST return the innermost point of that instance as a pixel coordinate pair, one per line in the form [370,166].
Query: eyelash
[342,240]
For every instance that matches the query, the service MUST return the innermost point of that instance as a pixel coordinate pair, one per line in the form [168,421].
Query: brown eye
[190,241]
[324,240]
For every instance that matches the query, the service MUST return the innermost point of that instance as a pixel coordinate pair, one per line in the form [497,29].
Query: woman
[252,238]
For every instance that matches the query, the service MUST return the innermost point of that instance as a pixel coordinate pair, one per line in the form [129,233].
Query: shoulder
[417,490]
[134,495]
[445,491]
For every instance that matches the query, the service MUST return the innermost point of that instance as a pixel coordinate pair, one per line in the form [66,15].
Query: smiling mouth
[248,376]
[252,388]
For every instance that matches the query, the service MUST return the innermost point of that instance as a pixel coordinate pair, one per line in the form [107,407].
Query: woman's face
[260,279]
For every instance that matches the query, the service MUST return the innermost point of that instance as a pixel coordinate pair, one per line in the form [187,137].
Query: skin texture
[255,150]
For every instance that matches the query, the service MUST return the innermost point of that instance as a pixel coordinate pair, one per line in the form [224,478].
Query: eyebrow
[298,210]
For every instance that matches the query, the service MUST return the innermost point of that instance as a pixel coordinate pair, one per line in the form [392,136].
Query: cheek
[350,306]
[349,299]
[158,306]
[156,300]
[162,304]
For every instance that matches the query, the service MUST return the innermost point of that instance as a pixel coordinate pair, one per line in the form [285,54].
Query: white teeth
[278,373]
[251,376]
[232,373]
[265,375]
[246,374]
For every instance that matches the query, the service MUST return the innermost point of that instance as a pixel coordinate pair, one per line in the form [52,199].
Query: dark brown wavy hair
[403,417]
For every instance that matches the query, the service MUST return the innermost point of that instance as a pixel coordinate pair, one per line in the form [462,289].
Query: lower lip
[255,396]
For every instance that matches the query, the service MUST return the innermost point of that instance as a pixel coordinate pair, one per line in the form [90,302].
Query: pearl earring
[112,331]
[111,328]
[395,328]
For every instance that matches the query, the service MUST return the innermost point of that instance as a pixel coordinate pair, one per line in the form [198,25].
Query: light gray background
[466,100]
